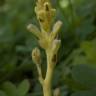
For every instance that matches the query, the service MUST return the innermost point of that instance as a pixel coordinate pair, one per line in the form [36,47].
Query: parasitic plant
[47,39]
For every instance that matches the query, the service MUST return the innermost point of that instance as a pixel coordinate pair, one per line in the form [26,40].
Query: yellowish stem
[47,90]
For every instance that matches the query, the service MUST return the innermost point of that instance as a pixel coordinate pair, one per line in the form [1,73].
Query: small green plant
[47,40]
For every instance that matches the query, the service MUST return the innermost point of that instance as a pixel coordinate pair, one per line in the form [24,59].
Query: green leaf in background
[9,89]
[73,85]
[84,93]
[85,75]
[2,93]
[80,60]
[23,88]
[89,47]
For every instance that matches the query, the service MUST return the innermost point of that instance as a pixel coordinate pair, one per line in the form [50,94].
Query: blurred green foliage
[75,72]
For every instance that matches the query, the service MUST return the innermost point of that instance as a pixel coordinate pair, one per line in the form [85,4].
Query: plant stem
[47,90]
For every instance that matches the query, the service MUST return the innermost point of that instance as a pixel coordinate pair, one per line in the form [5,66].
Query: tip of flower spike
[59,23]
[57,26]
[32,28]
[56,45]
[57,42]
[29,27]
[36,56]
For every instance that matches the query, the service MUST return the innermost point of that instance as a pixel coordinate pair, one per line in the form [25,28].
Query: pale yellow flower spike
[47,40]
[45,13]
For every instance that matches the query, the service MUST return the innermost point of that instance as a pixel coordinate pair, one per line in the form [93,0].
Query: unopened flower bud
[56,46]
[57,92]
[36,56]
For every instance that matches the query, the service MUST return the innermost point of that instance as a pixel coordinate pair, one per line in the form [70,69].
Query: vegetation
[75,58]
